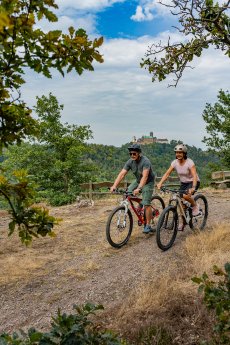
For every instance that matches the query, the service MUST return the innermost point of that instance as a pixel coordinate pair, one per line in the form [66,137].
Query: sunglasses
[133,153]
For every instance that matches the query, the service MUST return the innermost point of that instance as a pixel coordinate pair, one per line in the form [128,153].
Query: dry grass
[209,248]
[19,263]
[172,301]
[164,295]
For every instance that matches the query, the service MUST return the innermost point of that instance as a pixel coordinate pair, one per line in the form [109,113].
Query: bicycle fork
[185,215]
[121,219]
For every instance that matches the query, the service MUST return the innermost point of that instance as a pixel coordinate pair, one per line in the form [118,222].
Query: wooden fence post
[90,190]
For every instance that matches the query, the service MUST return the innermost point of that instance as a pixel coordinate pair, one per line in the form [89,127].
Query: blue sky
[125,27]
[118,100]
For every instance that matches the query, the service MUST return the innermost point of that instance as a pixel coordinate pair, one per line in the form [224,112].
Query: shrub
[67,329]
[217,297]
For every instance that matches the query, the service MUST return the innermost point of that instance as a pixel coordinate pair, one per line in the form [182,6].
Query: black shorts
[184,186]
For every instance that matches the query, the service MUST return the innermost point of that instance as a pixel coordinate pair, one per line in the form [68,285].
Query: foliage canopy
[203,23]
[24,45]
[217,118]
[60,144]
[109,159]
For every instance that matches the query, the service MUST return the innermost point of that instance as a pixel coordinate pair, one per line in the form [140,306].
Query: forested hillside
[109,160]
[73,161]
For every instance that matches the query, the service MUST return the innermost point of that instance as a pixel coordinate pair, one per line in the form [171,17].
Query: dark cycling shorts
[184,186]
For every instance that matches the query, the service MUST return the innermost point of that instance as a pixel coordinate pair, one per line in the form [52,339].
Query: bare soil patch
[78,265]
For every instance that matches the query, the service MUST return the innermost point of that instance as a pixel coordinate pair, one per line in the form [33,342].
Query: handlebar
[123,192]
[165,189]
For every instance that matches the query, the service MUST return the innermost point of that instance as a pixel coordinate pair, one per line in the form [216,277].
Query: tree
[217,118]
[60,144]
[203,24]
[23,45]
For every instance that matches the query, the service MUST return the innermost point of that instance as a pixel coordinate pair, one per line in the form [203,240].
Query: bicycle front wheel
[167,228]
[200,221]
[119,227]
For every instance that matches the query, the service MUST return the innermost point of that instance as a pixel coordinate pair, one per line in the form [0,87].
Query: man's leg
[148,214]
[147,193]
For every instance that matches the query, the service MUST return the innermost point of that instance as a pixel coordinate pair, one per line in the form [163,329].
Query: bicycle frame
[129,201]
[178,200]
[120,221]
[169,222]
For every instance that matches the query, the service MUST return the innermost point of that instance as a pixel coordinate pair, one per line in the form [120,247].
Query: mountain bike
[167,226]
[120,221]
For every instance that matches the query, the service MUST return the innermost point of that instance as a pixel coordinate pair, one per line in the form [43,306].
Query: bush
[217,297]
[67,330]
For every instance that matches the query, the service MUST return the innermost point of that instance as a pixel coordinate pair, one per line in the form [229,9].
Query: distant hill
[109,160]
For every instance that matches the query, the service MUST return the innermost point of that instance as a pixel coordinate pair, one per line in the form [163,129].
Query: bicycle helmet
[181,148]
[135,147]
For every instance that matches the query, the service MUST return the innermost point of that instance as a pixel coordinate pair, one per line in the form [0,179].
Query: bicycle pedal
[199,215]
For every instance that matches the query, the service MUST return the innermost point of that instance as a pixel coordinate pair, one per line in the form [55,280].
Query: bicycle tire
[158,206]
[167,228]
[200,221]
[118,235]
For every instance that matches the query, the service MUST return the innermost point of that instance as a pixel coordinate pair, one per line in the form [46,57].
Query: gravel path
[79,265]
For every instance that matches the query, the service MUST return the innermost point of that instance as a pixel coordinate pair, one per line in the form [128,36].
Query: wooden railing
[220,175]
[91,189]
[220,179]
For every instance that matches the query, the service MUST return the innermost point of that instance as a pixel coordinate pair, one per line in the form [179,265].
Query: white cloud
[77,13]
[149,9]
[142,14]
[86,22]
[118,100]
[84,5]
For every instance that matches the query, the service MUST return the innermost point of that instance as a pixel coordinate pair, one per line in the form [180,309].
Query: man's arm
[119,178]
[164,177]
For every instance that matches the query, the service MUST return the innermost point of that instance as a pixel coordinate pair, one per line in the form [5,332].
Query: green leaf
[12,225]
[71,30]
[98,42]
[197,280]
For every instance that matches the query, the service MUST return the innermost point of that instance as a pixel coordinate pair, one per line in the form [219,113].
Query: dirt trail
[79,265]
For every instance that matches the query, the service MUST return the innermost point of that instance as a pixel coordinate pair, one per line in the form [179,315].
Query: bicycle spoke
[119,227]
[199,221]
[158,205]
[167,228]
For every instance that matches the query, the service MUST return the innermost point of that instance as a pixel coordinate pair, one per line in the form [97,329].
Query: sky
[119,100]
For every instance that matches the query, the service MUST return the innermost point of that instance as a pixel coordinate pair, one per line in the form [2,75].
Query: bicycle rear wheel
[157,204]
[119,227]
[167,228]
[200,221]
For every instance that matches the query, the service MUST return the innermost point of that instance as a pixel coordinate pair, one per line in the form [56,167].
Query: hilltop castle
[149,139]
